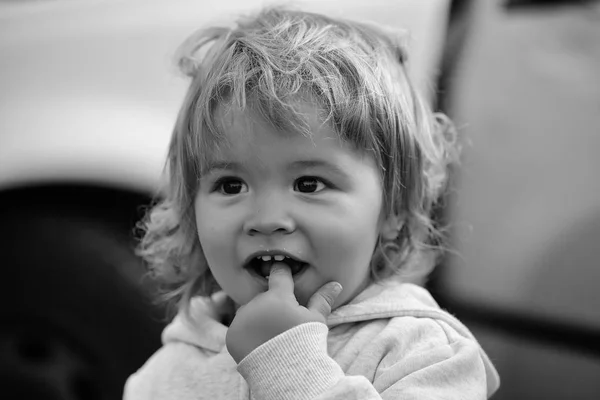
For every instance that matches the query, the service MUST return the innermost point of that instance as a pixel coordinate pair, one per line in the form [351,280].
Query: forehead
[248,138]
[248,129]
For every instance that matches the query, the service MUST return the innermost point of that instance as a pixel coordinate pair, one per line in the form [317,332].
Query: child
[302,172]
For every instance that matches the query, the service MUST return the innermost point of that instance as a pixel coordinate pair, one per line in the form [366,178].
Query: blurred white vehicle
[90,93]
[88,98]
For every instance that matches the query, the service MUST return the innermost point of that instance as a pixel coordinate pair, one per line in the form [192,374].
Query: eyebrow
[294,166]
[306,164]
[225,165]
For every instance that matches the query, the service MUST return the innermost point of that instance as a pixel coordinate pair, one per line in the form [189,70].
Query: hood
[382,300]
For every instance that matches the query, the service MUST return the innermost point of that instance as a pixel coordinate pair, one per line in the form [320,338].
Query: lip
[265,280]
[272,253]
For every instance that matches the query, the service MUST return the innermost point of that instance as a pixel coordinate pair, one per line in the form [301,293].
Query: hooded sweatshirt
[392,341]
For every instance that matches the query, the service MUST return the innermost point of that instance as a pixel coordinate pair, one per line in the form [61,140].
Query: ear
[390,228]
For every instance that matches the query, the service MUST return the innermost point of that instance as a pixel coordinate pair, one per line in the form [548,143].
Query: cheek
[347,241]
[353,246]
[213,234]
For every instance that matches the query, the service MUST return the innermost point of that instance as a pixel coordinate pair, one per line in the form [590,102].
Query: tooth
[266,258]
[279,258]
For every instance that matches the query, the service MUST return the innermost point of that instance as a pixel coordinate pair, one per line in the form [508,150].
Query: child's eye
[309,184]
[229,186]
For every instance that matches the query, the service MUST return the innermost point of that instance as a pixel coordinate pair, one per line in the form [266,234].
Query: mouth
[261,265]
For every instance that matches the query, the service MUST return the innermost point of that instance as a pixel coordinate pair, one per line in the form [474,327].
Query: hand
[275,311]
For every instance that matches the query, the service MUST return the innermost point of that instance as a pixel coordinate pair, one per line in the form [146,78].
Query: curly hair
[356,74]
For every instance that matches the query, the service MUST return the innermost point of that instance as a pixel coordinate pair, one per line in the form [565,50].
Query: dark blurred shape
[570,336]
[514,5]
[77,316]
[460,21]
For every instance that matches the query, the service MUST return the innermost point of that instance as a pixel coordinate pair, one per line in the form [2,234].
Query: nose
[270,216]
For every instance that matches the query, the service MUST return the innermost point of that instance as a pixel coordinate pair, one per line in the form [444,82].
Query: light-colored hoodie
[390,342]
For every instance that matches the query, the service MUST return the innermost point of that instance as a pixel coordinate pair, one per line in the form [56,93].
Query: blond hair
[356,75]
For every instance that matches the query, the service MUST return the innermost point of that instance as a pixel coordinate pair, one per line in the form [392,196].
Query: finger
[280,279]
[322,301]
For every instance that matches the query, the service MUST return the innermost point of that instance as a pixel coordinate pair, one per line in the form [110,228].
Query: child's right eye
[229,186]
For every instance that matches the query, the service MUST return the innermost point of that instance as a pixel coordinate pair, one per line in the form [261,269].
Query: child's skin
[275,311]
[327,213]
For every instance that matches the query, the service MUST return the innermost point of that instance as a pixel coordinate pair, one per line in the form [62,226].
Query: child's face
[317,200]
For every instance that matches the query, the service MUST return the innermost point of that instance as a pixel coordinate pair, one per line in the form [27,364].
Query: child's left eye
[309,184]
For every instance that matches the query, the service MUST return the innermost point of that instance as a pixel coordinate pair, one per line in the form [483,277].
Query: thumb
[322,301]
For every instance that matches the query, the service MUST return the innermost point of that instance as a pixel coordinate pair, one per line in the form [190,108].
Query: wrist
[294,362]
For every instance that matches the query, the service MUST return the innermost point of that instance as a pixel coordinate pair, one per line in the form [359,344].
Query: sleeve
[295,365]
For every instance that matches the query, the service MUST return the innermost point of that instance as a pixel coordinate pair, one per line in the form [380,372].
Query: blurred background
[88,96]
